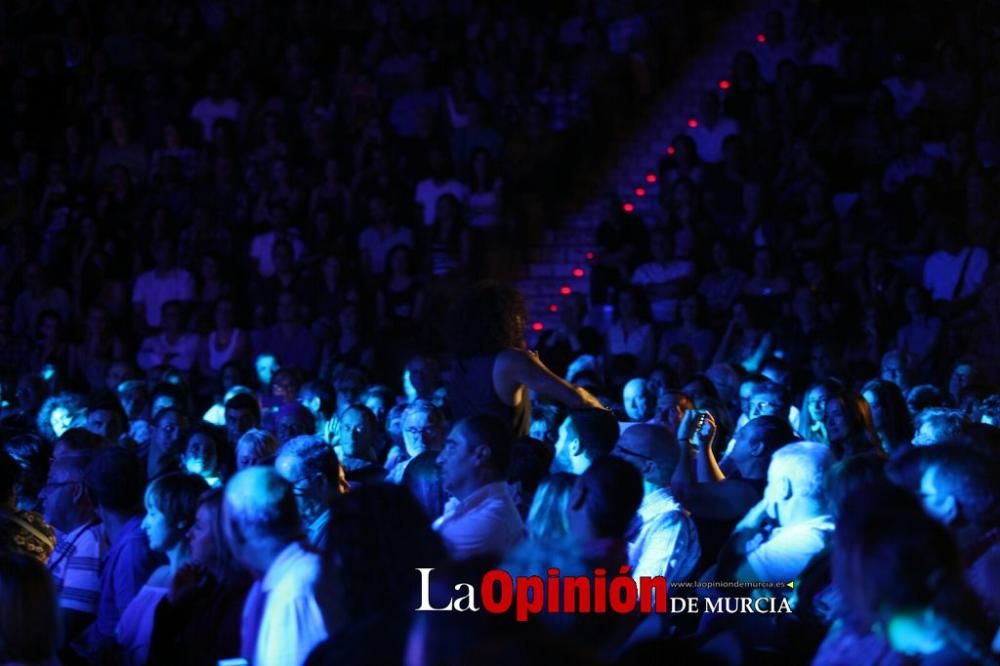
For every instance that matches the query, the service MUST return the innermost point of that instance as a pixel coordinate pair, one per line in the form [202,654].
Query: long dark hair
[862,437]
[896,428]
[487,319]
[227,566]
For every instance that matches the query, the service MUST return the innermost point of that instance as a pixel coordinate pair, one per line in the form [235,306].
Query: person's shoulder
[91,538]
[512,357]
[160,577]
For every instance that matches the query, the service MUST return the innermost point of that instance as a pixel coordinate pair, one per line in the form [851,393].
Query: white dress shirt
[292,623]
[485,522]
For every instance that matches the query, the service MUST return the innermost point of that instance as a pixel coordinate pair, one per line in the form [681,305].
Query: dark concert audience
[268,248]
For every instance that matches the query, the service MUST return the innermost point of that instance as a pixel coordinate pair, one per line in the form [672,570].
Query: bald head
[638,400]
[652,449]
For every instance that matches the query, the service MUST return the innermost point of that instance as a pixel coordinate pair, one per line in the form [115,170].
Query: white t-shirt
[785,555]
[485,522]
[428,193]
[292,623]
[206,111]
[153,291]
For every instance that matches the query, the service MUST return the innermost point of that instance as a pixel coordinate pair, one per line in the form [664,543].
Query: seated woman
[171,501]
[198,622]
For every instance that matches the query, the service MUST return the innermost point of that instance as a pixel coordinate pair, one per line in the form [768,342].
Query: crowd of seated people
[257,402]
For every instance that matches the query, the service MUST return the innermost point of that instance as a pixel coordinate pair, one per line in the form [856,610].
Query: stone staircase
[559,265]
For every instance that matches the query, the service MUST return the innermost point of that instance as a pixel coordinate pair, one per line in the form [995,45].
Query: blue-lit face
[892,371]
[200,455]
[420,433]
[634,398]
[836,422]
[266,366]
[159,532]
[816,404]
[765,404]
[938,503]
[60,420]
[456,461]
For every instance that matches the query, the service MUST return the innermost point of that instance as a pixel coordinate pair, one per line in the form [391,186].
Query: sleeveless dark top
[471,392]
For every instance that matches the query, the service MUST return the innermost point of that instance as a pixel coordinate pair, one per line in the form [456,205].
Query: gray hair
[317,457]
[422,406]
[804,464]
[262,503]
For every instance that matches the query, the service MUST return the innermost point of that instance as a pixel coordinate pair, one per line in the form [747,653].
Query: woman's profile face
[201,537]
[875,406]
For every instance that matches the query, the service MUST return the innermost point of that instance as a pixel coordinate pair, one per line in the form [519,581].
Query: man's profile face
[456,460]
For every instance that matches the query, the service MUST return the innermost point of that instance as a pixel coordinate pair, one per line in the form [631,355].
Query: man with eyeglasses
[312,467]
[80,543]
[663,540]
[422,425]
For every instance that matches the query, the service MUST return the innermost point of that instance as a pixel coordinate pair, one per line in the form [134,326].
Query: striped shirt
[75,567]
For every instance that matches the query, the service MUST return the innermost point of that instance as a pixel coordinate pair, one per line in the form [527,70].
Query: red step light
[650,178]
[628,208]
[724,84]
[553,308]
[761,38]
[670,150]
[589,256]
[565,290]
[640,191]
[692,123]
[537,326]
[578,272]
